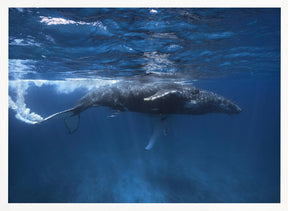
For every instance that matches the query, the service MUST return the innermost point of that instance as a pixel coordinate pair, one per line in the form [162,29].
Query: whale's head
[201,101]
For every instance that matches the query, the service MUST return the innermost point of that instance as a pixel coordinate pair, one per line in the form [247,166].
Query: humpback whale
[160,98]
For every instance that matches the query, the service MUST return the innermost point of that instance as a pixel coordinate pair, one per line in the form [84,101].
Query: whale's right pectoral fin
[160,128]
[152,141]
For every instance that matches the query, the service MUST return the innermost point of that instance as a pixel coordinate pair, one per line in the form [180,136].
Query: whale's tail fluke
[72,123]
[71,119]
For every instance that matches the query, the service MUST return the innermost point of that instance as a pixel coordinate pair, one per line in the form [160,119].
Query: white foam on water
[69,85]
[24,42]
[62,21]
[153,11]
[19,106]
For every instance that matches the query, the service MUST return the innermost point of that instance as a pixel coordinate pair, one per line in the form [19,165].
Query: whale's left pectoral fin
[162,93]
[160,128]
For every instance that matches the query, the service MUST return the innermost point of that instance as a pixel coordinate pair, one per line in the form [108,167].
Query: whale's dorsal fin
[161,94]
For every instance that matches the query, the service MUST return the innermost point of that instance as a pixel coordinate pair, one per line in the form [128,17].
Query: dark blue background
[208,158]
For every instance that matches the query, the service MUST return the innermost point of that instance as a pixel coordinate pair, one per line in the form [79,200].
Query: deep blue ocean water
[58,55]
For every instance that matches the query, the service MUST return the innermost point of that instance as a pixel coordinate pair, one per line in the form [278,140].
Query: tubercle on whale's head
[229,107]
[234,109]
[221,104]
